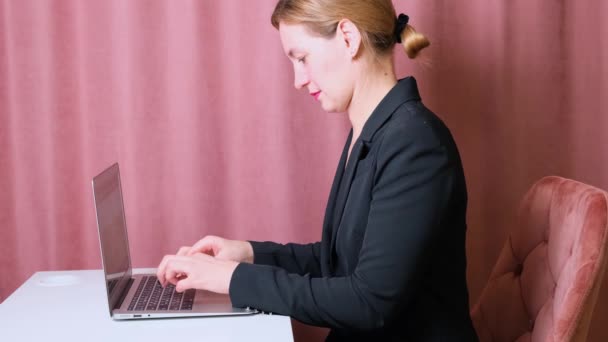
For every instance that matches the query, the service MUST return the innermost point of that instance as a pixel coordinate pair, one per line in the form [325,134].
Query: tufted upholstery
[545,282]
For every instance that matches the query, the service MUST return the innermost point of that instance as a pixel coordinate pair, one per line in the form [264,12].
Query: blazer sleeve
[411,190]
[293,258]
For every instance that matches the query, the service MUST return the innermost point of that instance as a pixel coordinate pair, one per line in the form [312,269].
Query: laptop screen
[112,232]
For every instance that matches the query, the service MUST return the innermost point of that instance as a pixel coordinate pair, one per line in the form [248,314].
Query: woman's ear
[350,36]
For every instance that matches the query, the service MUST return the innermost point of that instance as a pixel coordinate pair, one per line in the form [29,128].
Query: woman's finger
[184,284]
[160,272]
[184,250]
[177,268]
[205,245]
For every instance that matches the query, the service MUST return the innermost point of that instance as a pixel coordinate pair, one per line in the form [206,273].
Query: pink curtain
[194,99]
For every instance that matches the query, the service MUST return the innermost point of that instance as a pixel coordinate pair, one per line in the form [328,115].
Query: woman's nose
[300,79]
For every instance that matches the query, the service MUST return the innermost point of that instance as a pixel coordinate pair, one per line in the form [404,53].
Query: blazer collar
[405,90]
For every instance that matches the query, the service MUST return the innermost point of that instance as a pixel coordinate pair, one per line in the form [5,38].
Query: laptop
[140,296]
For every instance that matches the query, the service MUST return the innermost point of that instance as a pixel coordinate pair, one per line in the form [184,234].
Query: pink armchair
[546,280]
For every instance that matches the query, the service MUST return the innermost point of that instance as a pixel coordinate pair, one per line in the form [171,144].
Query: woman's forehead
[296,38]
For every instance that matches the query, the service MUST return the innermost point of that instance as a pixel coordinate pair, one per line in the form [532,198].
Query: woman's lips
[316,95]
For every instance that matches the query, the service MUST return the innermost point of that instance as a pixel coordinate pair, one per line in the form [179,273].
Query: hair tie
[400,24]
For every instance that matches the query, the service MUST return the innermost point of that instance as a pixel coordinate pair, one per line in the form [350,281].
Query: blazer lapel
[328,227]
[344,189]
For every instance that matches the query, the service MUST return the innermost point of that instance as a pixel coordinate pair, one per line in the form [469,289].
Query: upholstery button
[518,269]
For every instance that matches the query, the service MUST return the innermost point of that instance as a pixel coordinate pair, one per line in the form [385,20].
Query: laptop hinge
[124,293]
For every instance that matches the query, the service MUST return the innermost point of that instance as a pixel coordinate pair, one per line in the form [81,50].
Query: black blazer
[391,264]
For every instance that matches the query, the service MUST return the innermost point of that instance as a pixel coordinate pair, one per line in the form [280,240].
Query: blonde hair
[375,20]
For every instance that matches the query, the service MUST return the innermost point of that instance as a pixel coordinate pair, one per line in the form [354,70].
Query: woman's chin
[330,108]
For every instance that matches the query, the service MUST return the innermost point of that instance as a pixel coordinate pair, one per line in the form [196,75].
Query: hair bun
[413,42]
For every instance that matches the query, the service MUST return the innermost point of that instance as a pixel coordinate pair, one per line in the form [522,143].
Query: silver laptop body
[124,288]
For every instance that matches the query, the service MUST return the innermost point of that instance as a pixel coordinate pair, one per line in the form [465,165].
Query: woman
[391,262]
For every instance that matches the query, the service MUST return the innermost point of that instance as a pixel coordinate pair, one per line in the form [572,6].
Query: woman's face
[322,66]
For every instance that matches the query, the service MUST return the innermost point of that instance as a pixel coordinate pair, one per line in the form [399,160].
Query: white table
[45,308]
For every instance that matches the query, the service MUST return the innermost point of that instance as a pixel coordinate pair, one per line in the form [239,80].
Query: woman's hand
[207,265]
[197,271]
[223,249]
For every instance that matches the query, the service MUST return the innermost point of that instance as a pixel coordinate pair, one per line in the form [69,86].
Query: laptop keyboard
[151,296]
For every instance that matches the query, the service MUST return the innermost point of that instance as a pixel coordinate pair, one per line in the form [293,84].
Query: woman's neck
[369,91]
